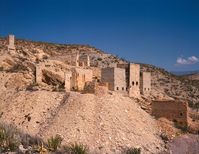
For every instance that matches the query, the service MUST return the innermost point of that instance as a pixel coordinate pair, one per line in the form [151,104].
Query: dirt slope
[106,124]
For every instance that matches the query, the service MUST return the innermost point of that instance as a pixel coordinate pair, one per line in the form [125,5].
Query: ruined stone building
[56,73]
[115,77]
[132,72]
[80,77]
[77,72]
[82,60]
[175,111]
[127,78]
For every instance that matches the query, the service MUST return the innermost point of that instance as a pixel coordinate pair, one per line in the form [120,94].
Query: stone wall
[145,83]
[134,80]
[97,88]
[176,111]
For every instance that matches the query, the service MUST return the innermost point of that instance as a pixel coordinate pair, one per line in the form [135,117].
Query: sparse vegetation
[8,139]
[76,149]
[133,151]
[54,143]
[11,139]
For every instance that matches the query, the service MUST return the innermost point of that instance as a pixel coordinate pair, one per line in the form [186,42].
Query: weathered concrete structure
[176,111]
[115,77]
[145,83]
[134,80]
[132,72]
[11,44]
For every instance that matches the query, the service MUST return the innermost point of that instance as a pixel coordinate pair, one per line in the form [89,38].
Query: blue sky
[164,33]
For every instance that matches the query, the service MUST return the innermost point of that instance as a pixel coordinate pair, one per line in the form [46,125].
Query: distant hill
[185,72]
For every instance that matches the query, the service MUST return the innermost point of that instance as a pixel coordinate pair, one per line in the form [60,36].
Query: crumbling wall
[96,73]
[84,60]
[79,77]
[97,88]
[145,83]
[176,111]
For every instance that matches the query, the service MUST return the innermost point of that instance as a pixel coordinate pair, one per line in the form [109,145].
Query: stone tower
[145,83]
[134,80]
[11,43]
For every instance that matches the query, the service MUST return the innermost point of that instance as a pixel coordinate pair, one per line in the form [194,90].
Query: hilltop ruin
[78,74]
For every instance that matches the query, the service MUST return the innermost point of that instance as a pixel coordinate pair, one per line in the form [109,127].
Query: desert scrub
[54,143]
[76,149]
[8,139]
[133,151]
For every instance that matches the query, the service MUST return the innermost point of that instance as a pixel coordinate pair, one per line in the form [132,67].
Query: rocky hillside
[29,52]
[173,86]
[107,124]
[38,51]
